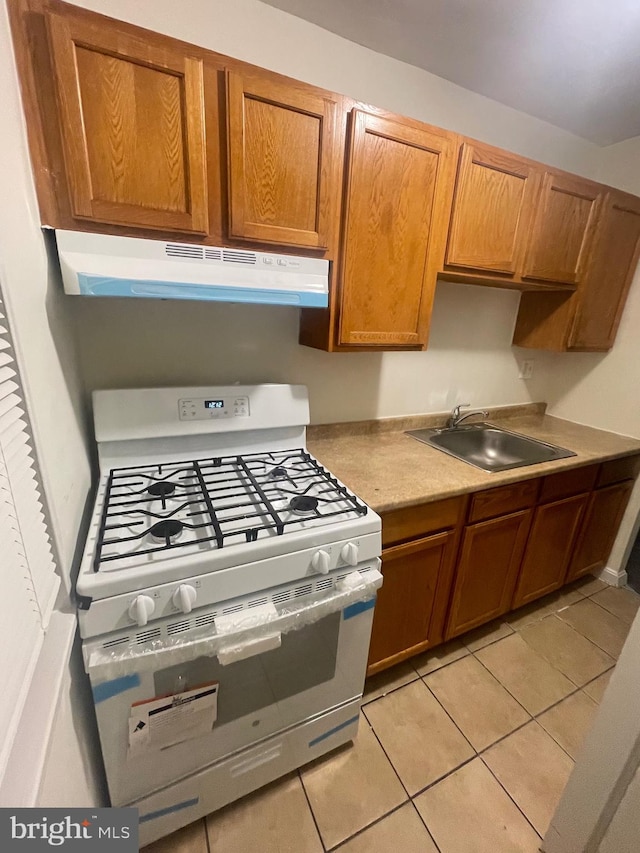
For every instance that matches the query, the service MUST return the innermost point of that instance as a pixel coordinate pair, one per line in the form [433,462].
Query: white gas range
[225,597]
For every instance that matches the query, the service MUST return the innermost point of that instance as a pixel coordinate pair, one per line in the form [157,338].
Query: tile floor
[465,749]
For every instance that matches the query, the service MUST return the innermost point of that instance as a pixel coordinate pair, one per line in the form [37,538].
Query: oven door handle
[250,648]
[233,632]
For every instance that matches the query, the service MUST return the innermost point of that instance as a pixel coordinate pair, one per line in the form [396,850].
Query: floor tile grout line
[493,775]
[375,734]
[548,662]
[424,823]
[313,817]
[606,610]
[504,687]
[206,833]
[490,642]
[388,693]
[448,714]
[368,826]
[560,701]
[445,775]
[588,639]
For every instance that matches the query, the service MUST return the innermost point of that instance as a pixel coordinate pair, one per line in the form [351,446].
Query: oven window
[305,659]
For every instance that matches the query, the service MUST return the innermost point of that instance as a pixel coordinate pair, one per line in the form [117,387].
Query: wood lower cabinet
[599,528]
[549,548]
[487,571]
[502,548]
[492,208]
[412,602]
[132,124]
[399,180]
[284,158]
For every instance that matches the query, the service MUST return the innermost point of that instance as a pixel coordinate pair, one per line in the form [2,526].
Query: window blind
[28,578]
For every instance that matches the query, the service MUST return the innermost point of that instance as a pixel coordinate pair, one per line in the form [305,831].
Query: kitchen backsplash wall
[132,343]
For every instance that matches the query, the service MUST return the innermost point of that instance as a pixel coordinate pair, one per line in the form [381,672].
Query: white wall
[44,334]
[469,356]
[73,773]
[624,830]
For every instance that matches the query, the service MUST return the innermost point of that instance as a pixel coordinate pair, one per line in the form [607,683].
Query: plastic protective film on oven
[235,636]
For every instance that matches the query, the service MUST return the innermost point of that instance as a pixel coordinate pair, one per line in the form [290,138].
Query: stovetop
[207,494]
[208,504]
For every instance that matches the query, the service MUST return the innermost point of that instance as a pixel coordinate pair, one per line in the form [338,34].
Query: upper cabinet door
[563,230]
[132,121]
[282,161]
[491,210]
[613,263]
[397,196]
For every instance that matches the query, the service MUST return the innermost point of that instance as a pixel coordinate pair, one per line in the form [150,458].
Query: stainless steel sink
[489,447]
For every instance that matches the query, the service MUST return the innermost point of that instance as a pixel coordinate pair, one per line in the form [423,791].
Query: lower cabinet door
[412,602]
[488,567]
[549,548]
[601,522]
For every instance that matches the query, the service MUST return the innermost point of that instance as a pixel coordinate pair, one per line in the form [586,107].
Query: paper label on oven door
[160,723]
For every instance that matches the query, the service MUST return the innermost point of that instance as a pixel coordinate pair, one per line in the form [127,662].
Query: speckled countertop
[389,469]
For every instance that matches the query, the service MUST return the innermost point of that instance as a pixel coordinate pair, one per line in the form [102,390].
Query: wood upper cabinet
[283,161]
[599,528]
[396,201]
[613,263]
[488,565]
[412,602]
[132,125]
[549,548]
[492,209]
[563,229]
[588,319]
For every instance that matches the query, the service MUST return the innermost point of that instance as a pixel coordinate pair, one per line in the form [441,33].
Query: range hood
[106,265]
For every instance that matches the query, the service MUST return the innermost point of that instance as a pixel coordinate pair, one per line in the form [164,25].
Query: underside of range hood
[108,265]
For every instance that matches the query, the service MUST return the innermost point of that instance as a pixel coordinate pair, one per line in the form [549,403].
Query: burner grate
[210,503]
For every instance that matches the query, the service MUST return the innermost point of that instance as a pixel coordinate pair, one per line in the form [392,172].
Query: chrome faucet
[455,418]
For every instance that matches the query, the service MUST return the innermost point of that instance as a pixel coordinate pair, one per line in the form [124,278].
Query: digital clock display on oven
[214,404]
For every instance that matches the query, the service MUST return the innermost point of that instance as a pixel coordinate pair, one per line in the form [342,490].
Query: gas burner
[278,473]
[162,489]
[167,529]
[303,504]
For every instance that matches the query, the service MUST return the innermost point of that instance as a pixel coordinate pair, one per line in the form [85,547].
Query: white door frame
[606,764]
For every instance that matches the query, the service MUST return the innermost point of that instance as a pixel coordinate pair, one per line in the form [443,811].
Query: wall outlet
[526,368]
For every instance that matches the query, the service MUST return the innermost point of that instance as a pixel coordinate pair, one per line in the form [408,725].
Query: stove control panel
[206,408]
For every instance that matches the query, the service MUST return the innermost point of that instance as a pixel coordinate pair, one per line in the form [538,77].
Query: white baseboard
[614,577]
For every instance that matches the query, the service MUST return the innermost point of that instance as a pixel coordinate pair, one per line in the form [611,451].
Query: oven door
[265,681]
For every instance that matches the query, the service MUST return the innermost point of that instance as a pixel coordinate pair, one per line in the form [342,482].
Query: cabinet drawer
[567,483]
[617,470]
[411,522]
[503,500]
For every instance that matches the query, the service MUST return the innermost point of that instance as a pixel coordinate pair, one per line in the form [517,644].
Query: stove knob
[320,562]
[140,609]
[349,554]
[184,597]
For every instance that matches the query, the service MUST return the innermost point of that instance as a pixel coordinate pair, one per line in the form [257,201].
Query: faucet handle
[456,411]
